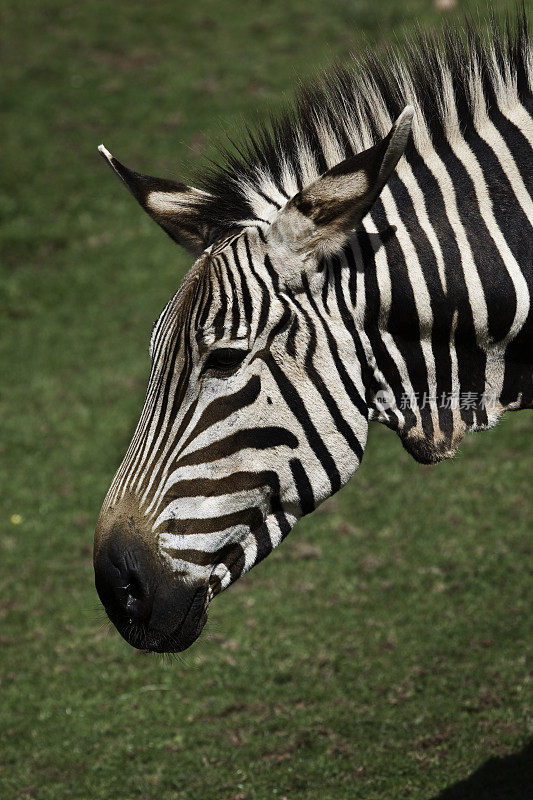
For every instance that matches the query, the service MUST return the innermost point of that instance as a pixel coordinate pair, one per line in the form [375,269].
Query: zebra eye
[225,358]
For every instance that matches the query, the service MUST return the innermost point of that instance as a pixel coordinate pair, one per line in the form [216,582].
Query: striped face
[226,456]
[254,413]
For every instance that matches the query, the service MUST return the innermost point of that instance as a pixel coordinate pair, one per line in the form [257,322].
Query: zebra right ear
[318,220]
[176,207]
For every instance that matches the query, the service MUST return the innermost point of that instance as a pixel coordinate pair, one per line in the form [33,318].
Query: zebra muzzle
[151,607]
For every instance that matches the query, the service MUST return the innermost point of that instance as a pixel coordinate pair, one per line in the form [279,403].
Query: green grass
[381,651]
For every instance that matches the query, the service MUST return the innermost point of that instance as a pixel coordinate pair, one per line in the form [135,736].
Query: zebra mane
[453,80]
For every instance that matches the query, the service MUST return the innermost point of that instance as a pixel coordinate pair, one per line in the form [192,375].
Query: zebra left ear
[319,219]
[176,207]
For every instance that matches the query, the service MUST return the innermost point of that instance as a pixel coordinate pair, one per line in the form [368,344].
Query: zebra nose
[123,579]
[151,607]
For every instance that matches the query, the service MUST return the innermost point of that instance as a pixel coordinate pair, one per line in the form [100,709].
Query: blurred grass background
[381,651]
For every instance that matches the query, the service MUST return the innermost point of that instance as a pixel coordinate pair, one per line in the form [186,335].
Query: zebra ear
[319,219]
[175,206]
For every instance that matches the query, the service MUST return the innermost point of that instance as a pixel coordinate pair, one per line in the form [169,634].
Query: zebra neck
[443,290]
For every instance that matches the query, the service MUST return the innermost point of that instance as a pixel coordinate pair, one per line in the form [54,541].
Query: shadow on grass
[509,778]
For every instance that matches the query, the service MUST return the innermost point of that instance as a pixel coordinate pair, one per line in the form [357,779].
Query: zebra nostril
[123,577]
[133,595]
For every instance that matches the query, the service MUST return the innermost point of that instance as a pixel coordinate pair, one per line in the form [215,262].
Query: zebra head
[255,409]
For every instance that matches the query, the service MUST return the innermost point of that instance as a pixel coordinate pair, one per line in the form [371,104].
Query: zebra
[364,256]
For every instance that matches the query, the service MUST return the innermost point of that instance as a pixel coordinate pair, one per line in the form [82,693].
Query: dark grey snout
[150,607]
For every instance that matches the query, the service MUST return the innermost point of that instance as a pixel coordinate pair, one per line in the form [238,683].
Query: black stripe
[235,310]
[347,315]
[515,140]
[250,517]
[272,273]
[290,343]
[220,316]
[265,297]
[245,292]
[224,407]
[215,487]
[303,486]
[508,213]
[262,438]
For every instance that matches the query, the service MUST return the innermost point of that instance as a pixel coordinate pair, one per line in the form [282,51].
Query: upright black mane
[351,107]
